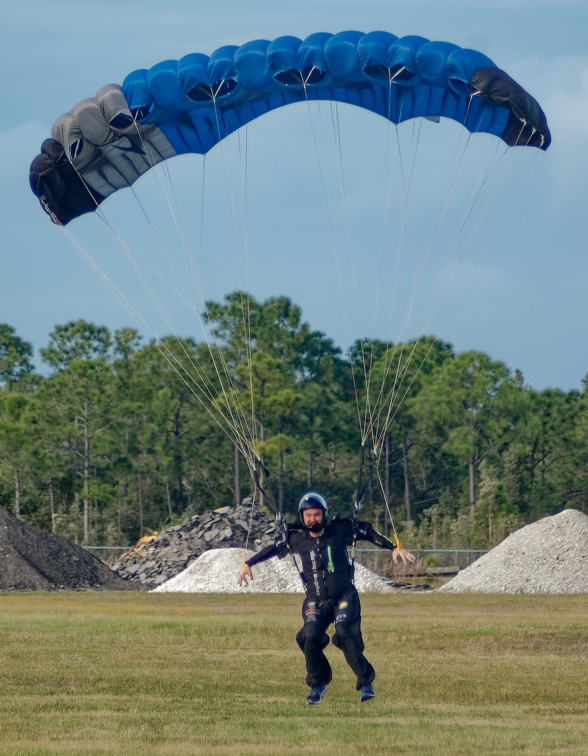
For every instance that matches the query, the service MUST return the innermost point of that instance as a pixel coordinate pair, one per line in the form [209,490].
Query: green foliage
[15,357]
[123,437]
[77,340]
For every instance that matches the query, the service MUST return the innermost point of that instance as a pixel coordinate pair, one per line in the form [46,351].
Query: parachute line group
[191,105]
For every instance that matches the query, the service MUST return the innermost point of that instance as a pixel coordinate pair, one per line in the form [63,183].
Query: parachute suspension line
[512,187]
[368,416]
[175,215]
[396,539]
[399,151]
[357,504]
[458,160]
[390,403]
[493,165]
[161,173]
[229,392]
[249,525]
[478,190]
[380,410]
[250,431]
[455,168]
[337,134]
[457,165]
[364,423]
[322,177]
[405,215]
[456,255]
[400,70]
[373,413]
[246,301]
[178,367]
[386,405]
[388,202]
[240,435]
[181,368]
[395,397]
[335,124]
[379,403]
[304,80]
[334,245]
[407,184]
[405,207]
[255,465]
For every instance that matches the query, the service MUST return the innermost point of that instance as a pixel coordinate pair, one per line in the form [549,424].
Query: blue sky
[518,290]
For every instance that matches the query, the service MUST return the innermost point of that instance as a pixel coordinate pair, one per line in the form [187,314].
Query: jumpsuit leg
[348,637]
[312,639]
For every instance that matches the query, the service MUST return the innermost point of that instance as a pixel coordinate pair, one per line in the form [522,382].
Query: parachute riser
[267,495]
[282,538]
[357,505]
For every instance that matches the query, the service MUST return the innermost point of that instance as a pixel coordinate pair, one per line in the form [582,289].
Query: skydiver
[331,596]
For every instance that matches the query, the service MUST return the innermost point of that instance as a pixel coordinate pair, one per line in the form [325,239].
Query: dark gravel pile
[153,561]
[34,560]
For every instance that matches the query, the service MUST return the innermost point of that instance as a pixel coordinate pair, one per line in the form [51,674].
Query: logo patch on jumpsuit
[311,612]
[341,615]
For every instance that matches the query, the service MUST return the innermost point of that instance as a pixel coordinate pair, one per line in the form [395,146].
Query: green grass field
[137,673]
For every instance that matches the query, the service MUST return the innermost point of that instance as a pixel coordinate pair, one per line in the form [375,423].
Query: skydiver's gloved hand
[400,553]
[245,574]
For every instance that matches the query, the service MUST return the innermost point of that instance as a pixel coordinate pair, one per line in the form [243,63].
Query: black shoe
[316,695]
[366,692]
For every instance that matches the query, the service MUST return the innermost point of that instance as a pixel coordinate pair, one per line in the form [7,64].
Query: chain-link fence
[429,561]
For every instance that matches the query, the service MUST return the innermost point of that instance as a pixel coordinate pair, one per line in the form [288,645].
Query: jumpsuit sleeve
[266,553]
[279,548]
[365,532]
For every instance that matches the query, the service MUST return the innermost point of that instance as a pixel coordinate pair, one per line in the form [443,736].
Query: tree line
[114,441]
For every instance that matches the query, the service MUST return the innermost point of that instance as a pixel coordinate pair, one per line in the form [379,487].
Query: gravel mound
[216,571]
[154,560]
[548,556]
[34,560]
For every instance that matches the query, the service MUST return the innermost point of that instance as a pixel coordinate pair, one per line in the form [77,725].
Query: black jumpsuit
[330,595]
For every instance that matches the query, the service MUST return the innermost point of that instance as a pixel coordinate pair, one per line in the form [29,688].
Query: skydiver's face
[313,517]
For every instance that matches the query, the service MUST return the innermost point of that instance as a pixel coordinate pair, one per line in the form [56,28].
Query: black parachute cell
[527,124]
[59,187]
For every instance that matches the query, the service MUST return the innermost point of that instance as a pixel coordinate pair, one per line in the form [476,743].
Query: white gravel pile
[548,556]
[217,570]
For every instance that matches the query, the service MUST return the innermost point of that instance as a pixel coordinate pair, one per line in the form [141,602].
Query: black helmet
[313,500]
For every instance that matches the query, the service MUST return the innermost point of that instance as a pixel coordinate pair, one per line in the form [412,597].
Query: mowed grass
[139,673]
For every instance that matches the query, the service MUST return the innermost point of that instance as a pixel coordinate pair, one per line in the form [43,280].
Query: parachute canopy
[187,106]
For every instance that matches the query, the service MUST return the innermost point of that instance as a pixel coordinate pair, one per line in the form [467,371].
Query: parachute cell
[106,142]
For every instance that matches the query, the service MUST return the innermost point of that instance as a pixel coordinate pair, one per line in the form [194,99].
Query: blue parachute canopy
[106,142]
